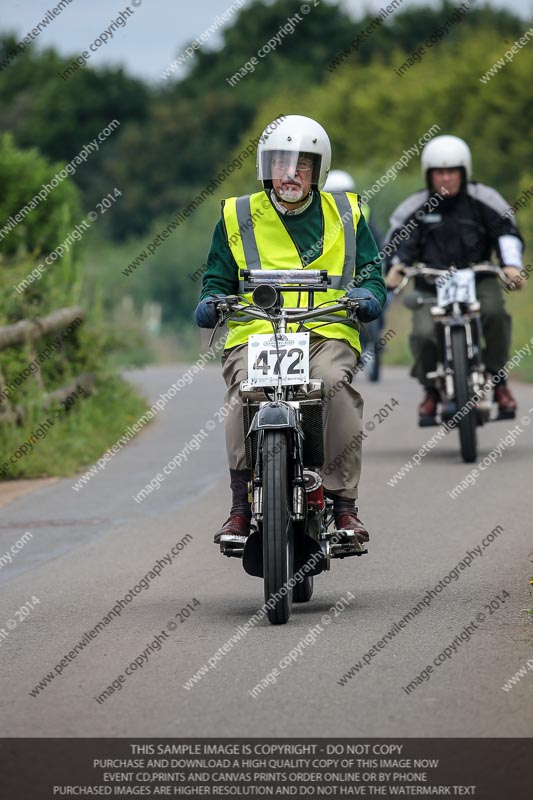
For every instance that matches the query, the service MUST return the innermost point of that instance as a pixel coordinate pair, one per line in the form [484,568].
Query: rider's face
[446,181]
[292,179]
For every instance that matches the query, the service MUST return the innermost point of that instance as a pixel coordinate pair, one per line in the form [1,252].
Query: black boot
[238,523]
[239,480]
[427,409]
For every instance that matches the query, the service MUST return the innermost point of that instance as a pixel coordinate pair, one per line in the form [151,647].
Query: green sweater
[222,275]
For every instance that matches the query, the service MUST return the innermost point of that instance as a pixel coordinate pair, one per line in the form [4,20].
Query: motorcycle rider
[470,221]
[291,224]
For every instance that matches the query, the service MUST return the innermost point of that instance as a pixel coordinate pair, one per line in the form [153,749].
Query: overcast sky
[157,30]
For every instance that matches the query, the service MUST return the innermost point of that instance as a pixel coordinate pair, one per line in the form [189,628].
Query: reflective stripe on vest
[258,239]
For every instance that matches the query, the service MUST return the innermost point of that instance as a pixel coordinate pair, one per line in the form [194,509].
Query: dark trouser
[495,321]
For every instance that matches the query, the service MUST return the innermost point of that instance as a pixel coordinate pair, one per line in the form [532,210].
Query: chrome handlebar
[231,304]
[422,269]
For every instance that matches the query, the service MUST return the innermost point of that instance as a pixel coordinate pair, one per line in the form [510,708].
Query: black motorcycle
[292,537]
[371,348]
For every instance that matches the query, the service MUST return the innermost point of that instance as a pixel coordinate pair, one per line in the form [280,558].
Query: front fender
[275,415]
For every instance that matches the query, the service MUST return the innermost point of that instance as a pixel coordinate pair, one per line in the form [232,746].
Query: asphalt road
[90,547]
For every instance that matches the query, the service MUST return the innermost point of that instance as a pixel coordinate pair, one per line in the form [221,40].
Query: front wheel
[467,423]
[375,366]
[278,551]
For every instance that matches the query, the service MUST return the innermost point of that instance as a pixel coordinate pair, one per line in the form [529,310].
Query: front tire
[375,366]
[467,424]
[278,547]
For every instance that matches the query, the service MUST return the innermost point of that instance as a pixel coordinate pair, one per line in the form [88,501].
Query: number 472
[261,362]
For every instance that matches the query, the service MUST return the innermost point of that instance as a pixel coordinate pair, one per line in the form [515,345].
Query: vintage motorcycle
[372,350]
[292,536]
[460,373]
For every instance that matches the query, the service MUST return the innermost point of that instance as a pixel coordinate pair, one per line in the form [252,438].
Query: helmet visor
[280,164]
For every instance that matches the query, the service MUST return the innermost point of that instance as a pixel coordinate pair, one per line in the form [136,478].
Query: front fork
[295,436]
[444,373]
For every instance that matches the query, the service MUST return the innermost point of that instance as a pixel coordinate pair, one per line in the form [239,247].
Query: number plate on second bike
[458,287]
[290,359]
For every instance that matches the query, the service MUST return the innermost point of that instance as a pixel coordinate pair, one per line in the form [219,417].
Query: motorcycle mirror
[265,296]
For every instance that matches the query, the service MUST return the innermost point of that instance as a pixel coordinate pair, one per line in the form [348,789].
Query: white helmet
[339,181]
[296,135]
[446,152]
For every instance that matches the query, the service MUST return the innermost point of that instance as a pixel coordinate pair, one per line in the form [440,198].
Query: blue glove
[206,315]
[369,307]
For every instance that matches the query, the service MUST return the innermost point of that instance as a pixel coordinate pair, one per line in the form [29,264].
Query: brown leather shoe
[236,525]
[349,521]
[427,409]
[506,402]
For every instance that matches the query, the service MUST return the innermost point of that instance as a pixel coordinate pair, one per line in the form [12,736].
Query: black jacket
[459,231]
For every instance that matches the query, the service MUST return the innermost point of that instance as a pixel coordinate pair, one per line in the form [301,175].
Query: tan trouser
[334,361]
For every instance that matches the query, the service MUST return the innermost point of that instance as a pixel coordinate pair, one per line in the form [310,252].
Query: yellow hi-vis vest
[259,240]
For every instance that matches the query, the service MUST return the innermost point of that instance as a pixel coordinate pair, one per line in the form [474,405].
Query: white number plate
[290,359]
[457,287]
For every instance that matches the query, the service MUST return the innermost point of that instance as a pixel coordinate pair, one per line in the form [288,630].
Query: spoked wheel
[303,591]
[467,423]
[375,366]
[278,545]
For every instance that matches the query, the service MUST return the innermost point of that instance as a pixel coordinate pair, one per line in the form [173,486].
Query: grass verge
[76,438]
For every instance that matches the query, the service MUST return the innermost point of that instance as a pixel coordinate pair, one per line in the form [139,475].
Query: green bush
[29,371]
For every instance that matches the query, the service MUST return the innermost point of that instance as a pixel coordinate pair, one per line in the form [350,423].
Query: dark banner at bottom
[485,769]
